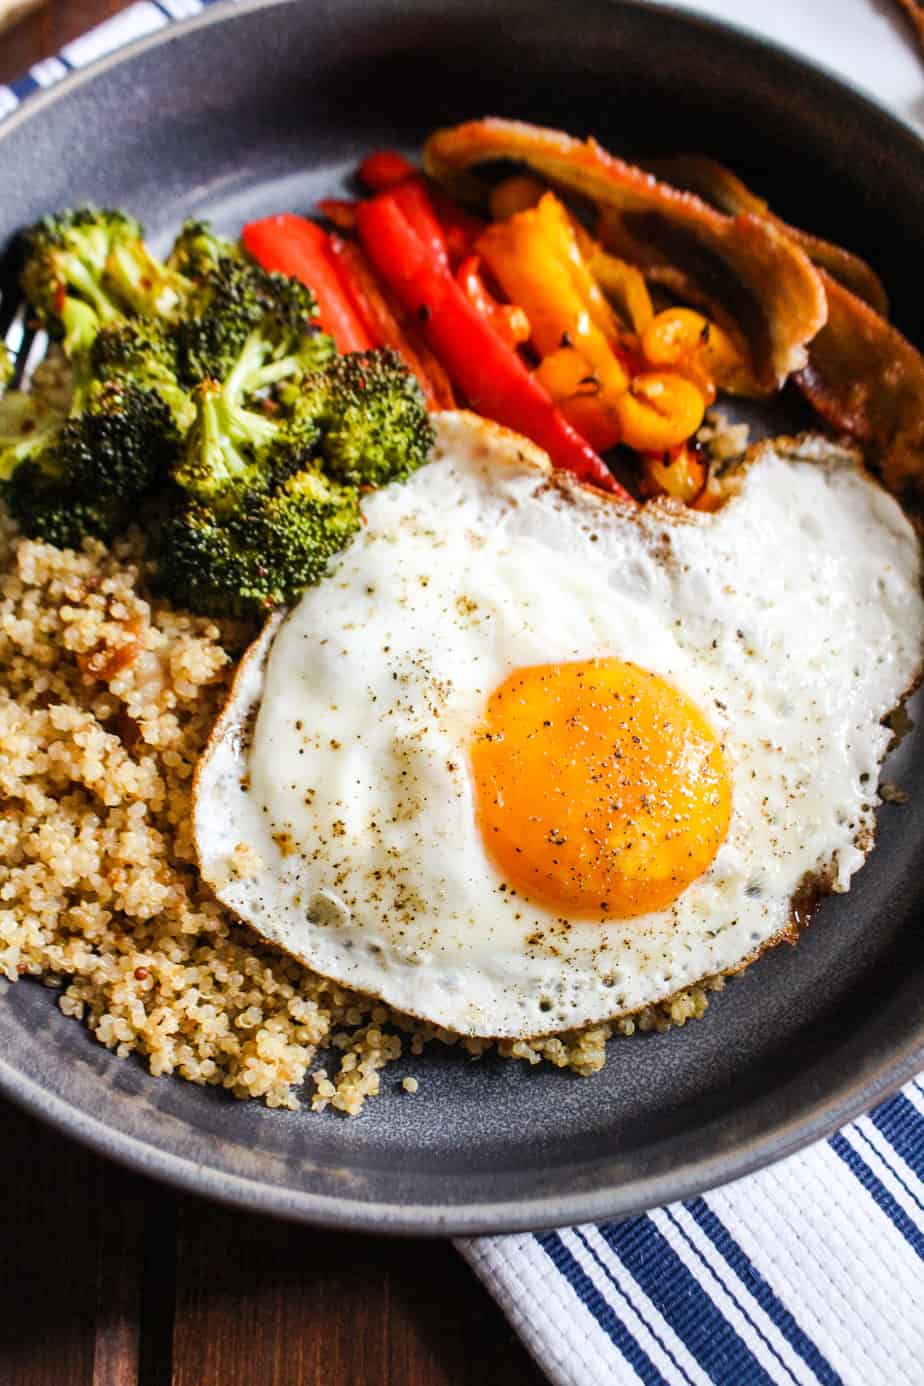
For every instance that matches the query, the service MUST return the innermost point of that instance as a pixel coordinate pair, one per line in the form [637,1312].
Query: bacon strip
[866,379]
[756,282]
[719,187]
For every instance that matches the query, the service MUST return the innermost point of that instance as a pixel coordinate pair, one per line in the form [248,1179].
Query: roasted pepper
[297,247]
[491,375]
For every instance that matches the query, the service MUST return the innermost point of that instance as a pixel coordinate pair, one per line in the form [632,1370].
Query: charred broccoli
[88,267]
[143,352]
[372,416]
[241,441]
[69,475]
[267,553]
[234,297]
[28,426]
[203,385]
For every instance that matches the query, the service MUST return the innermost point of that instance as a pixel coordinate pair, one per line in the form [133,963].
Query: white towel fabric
[811,1271]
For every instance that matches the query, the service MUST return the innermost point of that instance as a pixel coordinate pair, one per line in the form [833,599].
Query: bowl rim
[815,1119]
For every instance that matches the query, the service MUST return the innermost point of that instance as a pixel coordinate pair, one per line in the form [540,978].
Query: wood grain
[111,1280]
[70,1260]
[259,1301]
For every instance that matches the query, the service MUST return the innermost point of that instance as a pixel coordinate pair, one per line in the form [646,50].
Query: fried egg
[529,758]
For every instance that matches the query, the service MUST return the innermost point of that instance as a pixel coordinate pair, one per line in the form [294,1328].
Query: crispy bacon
[719,187]
[756,282]
[866,379]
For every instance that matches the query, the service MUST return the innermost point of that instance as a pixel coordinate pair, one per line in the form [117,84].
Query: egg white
[334,809]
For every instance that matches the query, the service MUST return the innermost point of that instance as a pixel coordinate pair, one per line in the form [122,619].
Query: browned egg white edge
[516,450]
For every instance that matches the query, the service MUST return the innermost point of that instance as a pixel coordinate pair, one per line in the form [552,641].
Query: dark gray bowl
[258,107]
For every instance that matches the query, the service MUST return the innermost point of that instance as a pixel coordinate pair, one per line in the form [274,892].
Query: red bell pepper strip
[340,211]
[460,229]
[414,200]
[491,375]
[383,169]
[385,326]
[297,247]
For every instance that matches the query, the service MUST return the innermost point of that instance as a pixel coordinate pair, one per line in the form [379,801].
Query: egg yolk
[600,789]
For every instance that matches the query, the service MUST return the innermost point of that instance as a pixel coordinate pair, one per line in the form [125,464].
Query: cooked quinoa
[106,701]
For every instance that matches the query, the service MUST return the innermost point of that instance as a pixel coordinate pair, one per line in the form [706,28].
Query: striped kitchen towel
[811,1271]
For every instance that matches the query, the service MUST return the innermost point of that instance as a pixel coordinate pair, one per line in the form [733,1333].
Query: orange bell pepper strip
[545,275]
[386,326]
[660,410]
[295,246]
[570,380]
[491,375]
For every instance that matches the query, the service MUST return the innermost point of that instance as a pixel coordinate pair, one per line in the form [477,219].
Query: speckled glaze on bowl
[257,107]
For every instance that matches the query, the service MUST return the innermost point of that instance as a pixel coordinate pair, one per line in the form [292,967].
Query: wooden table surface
[110,1280]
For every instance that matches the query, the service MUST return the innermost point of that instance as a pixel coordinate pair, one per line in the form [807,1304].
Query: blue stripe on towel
[652,1329]
[879,1193]
[678,1295]
[896,1174]
[903,1127]
[754,1282]
[594,1302]
[730,1291]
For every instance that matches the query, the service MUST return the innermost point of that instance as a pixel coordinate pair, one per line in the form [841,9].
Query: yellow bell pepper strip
[509,322]
[689,343]
[490,374]
[623,284]
[570,380]
[660,410]
[676,472]
[561,231]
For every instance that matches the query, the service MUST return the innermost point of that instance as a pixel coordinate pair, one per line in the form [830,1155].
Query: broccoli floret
[93,467]
[241,440]
[198,251]
[59,516]
[372,415]
[235,297]
[225,453]
[86,268]
[28,426]
[237,300]
[143,352]
[267,553]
